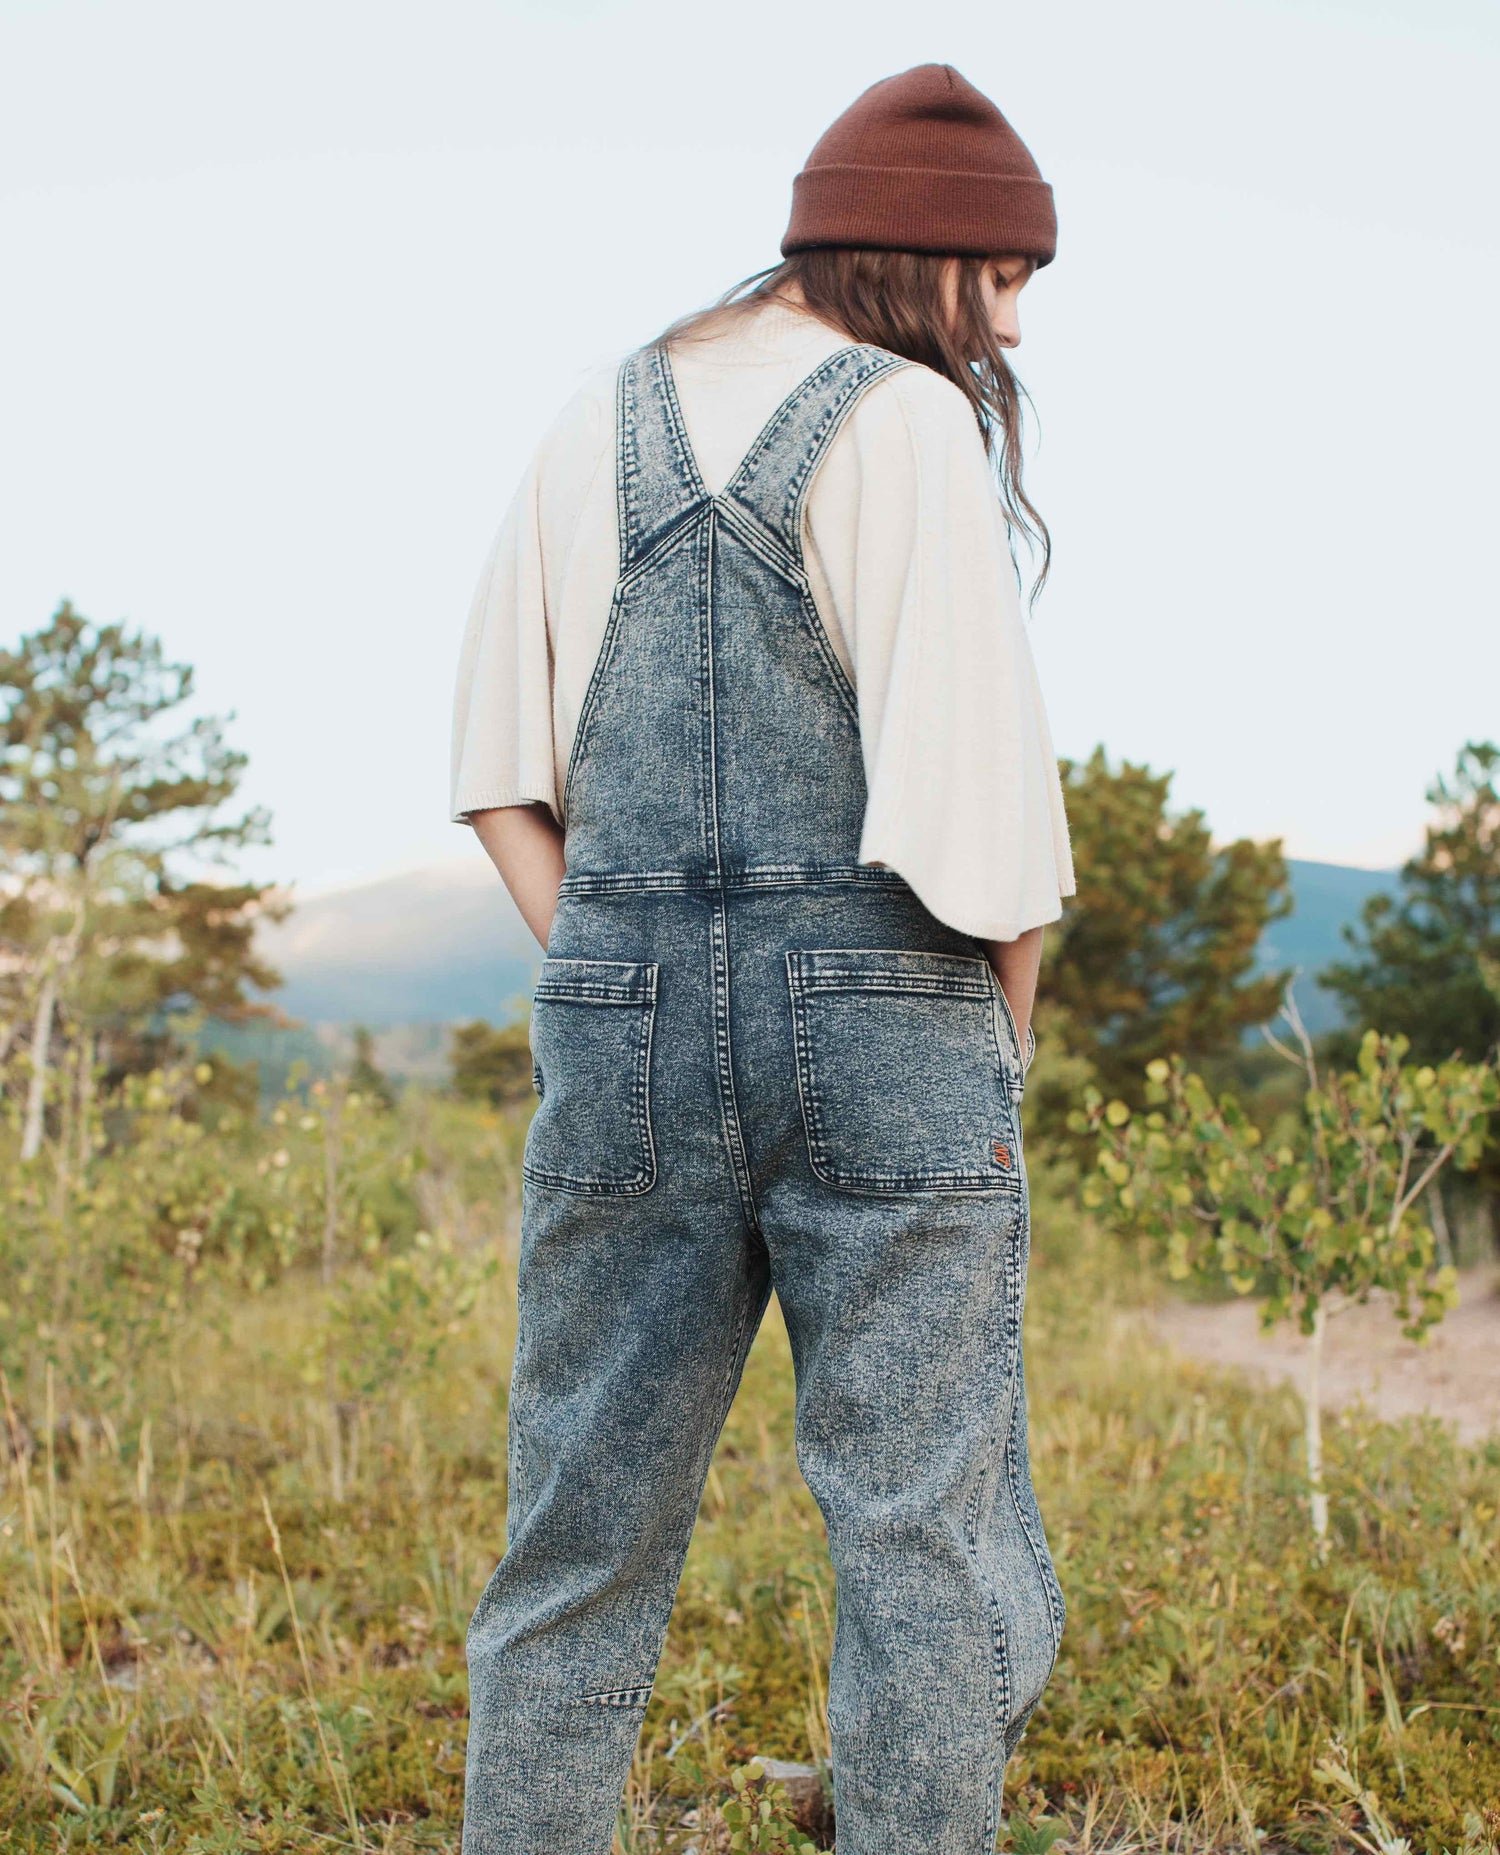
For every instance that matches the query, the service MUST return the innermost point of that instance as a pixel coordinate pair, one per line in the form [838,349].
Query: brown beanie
[923,162]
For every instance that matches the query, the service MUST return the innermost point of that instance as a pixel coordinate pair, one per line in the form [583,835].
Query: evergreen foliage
[492,1065]
[112,822]
[1158,950]
[1425,962]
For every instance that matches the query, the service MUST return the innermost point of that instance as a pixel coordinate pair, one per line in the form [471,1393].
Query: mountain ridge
[445,943]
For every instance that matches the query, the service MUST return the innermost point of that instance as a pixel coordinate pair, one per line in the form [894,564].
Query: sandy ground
[1455,1374]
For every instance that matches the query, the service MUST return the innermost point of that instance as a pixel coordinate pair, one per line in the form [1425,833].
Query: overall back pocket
[903,1071]
[591,1023]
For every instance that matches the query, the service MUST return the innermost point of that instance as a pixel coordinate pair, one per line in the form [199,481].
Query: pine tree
[491,1065]
[111,823]
[366,1077]
[1159,949]
[1423,959]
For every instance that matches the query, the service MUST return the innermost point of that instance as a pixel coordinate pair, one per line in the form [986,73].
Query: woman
[748,722]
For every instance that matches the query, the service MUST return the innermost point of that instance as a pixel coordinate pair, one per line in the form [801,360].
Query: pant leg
[905,1320]
[634,1327]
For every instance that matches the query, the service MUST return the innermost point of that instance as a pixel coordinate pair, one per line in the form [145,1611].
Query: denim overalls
[760,1065]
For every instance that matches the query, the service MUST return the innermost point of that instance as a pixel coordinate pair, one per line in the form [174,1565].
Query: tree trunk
[41,1043]
[85,1102]
[1314,1435]
[1440,1229]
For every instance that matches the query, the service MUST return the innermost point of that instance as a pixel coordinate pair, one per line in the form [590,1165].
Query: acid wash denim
[760,1065]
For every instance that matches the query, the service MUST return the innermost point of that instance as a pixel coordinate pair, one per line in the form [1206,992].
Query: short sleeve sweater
[908,559]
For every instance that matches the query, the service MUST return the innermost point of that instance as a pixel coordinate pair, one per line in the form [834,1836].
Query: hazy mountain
[432,946]
[1325,897]
[412,953]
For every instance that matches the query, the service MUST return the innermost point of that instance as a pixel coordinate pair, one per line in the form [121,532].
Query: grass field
[232,1604]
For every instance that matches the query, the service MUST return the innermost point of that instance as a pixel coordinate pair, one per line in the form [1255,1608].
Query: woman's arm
[525,843]
[1017,963]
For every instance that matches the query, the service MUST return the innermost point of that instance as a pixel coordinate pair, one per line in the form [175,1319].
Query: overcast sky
[290,290]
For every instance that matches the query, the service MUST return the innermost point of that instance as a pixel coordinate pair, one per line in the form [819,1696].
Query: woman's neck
[789,296]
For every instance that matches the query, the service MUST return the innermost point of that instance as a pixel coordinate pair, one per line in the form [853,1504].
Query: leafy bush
[1330,1214]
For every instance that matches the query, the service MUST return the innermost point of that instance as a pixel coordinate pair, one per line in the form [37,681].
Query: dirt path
[1455,1375]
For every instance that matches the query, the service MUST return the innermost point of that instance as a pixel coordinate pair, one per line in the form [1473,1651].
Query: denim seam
[763,876]
[1000,1688]
[601,995]
[585,989]
[1050,1584]
[737,1355]
[906,960]
[708,824]
[718,935]
[1015,1290]
[624,466]
[994,1790]
[896,985]
[729,1113]
[1014,1727]
[1002,1068]
[621,1697]
[776,874]
[643,379]
[998,1447]
[829,657]
[591,694]
[1053,1618]
[661,542]
[752,531]
[687,463]
[825,433]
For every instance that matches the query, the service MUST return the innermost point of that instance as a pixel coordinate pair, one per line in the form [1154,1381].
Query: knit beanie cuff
[966,214]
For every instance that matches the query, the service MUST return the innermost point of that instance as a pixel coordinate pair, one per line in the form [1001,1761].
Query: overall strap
[656,479]
[773,480]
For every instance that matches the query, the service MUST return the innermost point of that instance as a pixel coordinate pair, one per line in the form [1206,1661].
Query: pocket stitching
[620,1697]
[642,996]
[579,989]
[878,1184]
[938,981]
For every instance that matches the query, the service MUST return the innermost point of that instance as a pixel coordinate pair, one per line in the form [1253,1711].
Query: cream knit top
[910,569]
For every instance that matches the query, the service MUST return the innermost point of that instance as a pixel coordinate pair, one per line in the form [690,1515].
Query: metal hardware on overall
[760,1065]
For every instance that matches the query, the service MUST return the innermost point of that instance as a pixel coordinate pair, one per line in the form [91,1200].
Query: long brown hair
[896,300]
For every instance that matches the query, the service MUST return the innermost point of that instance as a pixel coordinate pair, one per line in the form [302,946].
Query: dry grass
[202,1650]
